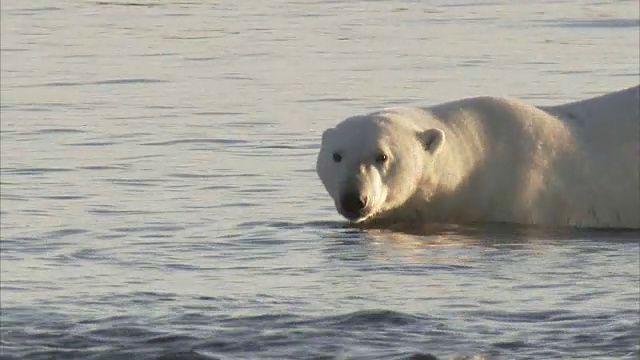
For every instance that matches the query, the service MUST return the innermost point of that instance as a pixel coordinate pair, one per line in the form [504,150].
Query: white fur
[490,159]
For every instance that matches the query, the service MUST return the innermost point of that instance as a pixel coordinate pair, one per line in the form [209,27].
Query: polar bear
[489,160]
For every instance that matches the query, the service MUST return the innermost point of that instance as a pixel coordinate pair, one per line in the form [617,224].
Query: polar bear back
[572,165]
[606,133]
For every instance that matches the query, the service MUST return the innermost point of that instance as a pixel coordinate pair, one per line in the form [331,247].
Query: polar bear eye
[337,157]
[381,158]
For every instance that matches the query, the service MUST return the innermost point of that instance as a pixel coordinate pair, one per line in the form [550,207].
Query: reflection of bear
[489,159]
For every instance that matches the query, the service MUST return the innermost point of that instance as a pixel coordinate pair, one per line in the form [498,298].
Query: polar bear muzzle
[353,205]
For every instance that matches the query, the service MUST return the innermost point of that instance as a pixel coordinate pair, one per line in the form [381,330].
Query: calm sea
[159,198]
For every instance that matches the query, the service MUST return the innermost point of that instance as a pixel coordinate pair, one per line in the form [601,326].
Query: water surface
[159,198]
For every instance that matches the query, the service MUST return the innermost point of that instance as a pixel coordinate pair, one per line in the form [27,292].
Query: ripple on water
[269,336]
[33,171]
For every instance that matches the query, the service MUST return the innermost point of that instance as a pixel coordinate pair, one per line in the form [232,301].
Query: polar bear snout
[353,204]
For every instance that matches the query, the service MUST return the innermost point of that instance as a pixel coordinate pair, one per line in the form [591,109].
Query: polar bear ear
[432,140]
[326,134]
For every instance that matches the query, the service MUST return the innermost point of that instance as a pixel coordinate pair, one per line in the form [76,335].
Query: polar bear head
[374,163]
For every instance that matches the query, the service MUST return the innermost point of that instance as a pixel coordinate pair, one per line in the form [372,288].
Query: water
[159,198]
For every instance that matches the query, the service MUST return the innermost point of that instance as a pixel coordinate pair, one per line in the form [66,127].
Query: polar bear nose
[353,202]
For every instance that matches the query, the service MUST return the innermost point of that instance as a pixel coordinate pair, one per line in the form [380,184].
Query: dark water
[159,199]
[328,292]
